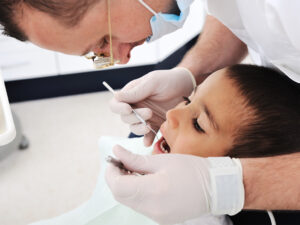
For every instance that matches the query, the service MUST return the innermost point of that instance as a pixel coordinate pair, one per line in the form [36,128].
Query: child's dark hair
[275,101]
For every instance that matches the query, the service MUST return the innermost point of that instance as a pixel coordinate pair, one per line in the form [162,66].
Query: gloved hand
[153,95]
[177,187]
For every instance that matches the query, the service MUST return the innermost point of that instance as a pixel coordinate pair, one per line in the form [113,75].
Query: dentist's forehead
[50,33]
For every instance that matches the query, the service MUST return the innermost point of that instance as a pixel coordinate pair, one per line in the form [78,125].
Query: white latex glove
[152,95]
[176,187]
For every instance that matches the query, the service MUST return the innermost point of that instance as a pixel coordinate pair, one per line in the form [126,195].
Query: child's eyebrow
[210,117]
[207,112]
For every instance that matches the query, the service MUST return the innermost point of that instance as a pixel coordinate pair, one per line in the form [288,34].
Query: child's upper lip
[163,134]
[162,130]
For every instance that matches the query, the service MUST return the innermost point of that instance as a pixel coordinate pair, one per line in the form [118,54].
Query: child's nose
[173,118]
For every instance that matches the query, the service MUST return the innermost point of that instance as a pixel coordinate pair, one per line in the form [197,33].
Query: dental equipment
[101,61]
[7,126]
[121,166]
[117,163]
[134,111]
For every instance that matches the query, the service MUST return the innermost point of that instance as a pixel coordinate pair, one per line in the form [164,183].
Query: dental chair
[11,137]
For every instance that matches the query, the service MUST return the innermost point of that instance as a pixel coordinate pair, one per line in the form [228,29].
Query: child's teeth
[162,147]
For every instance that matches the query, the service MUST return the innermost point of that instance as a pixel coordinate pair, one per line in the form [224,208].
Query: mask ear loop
[110,35]
[147,7]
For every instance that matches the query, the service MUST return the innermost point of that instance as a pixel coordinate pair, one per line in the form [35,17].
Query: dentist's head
[81,26]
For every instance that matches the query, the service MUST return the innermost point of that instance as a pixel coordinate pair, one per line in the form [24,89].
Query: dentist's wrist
[189,73]
[226,186]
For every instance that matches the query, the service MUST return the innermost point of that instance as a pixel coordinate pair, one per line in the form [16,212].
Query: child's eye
[197,126]
[186,99]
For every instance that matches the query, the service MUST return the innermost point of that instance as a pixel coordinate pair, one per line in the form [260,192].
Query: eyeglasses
[100,60]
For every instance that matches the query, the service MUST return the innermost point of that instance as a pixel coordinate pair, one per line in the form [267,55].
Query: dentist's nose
[121,51]
[124,49]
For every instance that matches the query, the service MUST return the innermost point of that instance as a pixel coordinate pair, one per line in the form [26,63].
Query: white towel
[102,209]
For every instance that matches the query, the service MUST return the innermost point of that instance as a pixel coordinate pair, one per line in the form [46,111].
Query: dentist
[177,187]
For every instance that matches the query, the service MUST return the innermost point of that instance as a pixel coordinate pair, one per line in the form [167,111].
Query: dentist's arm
[176,187]
[272,182]
[216,48]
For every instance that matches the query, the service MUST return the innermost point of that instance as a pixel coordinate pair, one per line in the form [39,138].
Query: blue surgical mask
[163,23]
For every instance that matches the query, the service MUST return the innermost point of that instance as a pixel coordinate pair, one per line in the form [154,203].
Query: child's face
[205,125]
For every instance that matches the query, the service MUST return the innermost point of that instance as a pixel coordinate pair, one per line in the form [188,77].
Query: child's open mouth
[161,146]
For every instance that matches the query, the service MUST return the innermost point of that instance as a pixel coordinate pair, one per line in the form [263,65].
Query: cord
[272,218]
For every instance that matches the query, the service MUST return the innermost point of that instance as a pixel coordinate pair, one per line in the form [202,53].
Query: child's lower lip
[157,149]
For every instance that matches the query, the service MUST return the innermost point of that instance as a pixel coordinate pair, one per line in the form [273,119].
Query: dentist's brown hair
[68,12]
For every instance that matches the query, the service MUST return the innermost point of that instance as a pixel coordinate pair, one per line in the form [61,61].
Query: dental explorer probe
[117,163]
[134,111]
[120,165]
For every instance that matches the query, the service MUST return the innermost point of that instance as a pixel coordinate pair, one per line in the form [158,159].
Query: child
[240,111]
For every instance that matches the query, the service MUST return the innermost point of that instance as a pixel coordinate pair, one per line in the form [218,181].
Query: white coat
[270,29]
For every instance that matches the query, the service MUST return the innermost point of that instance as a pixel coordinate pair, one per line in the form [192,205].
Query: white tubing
[272,218]
[147,7]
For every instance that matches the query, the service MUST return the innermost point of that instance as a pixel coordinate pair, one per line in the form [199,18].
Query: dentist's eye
[103,43]
[197,126]
[186,100]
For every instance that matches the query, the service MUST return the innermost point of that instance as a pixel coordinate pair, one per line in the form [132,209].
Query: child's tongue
[162,146]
